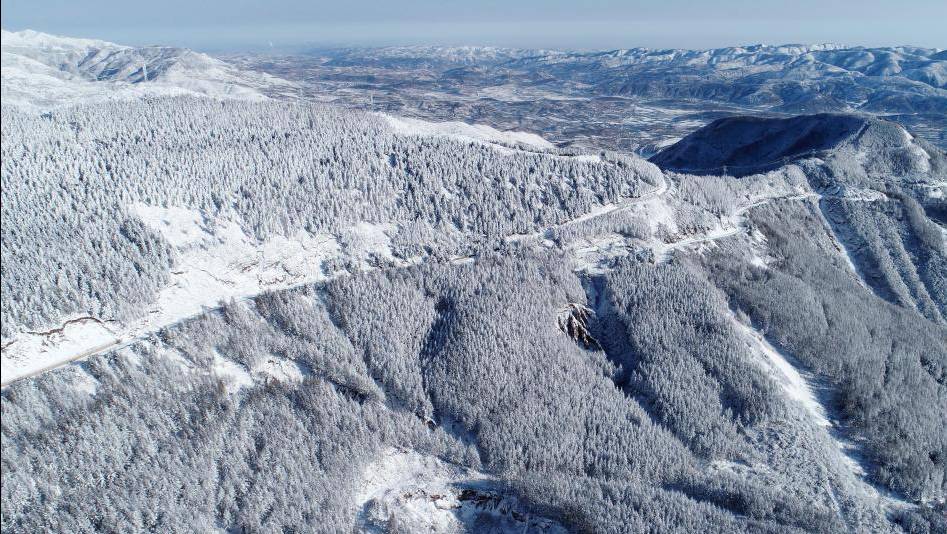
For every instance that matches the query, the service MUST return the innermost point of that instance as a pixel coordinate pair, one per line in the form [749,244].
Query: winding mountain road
[60,354]
[90,342]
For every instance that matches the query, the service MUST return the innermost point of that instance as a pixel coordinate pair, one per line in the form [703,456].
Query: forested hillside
[467,334]
[474,371]
[70,243]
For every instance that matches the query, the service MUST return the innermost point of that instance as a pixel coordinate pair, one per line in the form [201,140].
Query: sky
[218,25]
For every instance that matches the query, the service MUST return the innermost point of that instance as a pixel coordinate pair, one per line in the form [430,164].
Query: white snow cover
[651,205]
[42,71]
[401,483]
[800,388]
[404,491]
[463,131]
[36,352]
[796,388]
[216,261]
[234,376]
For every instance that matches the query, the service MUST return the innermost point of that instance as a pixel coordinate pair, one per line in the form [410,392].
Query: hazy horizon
[243,25]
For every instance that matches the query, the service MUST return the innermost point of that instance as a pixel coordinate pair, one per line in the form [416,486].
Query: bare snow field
[464,132]
[406,490]
[41,71]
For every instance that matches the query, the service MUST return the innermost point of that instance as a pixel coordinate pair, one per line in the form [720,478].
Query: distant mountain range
[43,70]
[428,56]
[506,87]
[783,78]
[787,78]
[227,306]
[629,99]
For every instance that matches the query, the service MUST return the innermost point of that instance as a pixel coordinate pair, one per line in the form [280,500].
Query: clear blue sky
[243,24]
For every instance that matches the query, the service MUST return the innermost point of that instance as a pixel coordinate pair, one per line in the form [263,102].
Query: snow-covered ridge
[463,132]
[41,71]
[925,65]
[35,39]
[216,261]
[745,145]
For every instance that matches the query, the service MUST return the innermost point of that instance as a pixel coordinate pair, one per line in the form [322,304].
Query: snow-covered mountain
[791,78]
[428,56]
[925,65]
[234,316]
[634,99]
[740,146]
[791,61]
[43,70]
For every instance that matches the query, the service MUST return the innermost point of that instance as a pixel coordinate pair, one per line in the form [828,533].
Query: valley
[473,289]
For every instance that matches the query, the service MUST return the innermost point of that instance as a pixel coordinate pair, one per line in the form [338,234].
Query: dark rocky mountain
[747,145]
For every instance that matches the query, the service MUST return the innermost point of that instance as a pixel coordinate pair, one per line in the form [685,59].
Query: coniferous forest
[486,336]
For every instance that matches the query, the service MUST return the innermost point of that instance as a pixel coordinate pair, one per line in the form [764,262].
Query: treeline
[70,245]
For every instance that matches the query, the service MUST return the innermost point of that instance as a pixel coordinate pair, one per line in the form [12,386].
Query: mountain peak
[743,145]
[42,70]
[35,39]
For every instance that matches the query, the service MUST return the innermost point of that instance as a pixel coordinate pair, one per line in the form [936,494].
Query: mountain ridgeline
[447,329]
[742,145]
[749,145]
[44,71]
[629,99]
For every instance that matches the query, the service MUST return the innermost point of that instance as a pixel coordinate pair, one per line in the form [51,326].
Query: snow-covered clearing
[216,261]
[796,388]
[32,353]
[236,376]
[922,158]
[233,376]
[804,390]
[935,190]
[846,252]
[406,491]
[462,131]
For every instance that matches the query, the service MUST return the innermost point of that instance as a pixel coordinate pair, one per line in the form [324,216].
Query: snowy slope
[421,493]
[464,132]
[41,71]
[216,262]
[744,145]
